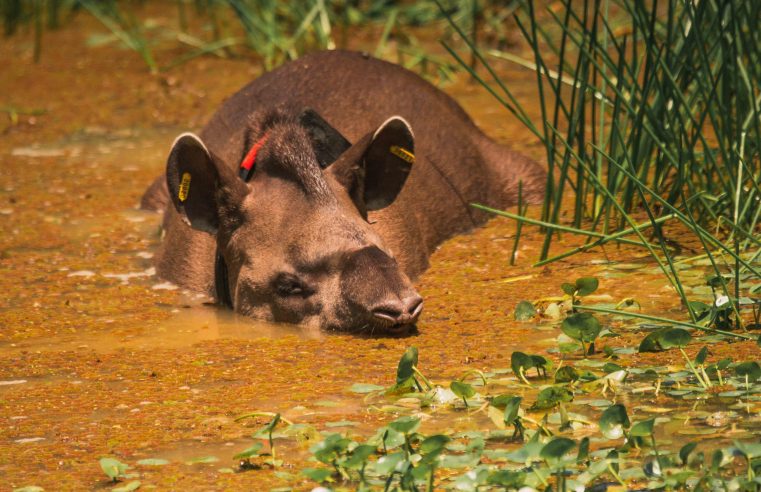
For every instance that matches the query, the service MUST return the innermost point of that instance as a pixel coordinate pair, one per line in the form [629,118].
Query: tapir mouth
[391,323]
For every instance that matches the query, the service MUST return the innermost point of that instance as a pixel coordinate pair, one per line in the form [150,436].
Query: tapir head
[292,232]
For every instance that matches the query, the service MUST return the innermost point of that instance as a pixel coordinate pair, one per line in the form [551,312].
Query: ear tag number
[182,194]
[403,154]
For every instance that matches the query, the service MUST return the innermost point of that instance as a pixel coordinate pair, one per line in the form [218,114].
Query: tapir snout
[378,292]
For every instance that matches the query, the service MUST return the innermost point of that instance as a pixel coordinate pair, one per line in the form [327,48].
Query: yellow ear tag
[403,154]
[184,187]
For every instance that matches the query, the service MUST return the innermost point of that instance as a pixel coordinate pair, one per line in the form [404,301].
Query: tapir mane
[287,153]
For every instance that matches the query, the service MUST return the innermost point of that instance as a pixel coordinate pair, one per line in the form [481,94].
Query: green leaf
[586,285]
[557,448]
[716,458]
[476,444]
[539,361]
[665,338]
[406,364]
[642,429]
[700,309]
[250,452]
[468,460]
[566,374]
[612,457]
[520,360]
[583,327]
[512,407]
[552,396]
[652,342]
[133,485]
[153,462]
[388,463]
[405,425]
[700,359]
[267,429]
[419,472]
[750,369]
[583,450]
[506,478]
[500,401]
[463,390]
[113,468]
[391,439]
[750,450]
[341,423]
[317,474]
[330,449]
[684,453]
[359,456]
[365,388]
[301,432]
[524,311]
[675,337]
[569,289]
[614,421]
[202,460]
[434,444]
[714,281]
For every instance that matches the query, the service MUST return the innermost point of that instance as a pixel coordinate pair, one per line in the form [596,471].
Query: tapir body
[313,242]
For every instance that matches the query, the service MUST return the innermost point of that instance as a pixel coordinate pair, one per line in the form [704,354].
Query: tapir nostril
[390,311]
[413,306]
[399,312]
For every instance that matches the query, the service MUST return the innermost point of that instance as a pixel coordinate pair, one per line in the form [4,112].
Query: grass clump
[647,109]
[272,31]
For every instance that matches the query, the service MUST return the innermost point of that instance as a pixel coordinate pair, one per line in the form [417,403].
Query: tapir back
[456,164]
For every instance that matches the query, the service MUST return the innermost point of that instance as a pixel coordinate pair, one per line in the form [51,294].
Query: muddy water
[99,357]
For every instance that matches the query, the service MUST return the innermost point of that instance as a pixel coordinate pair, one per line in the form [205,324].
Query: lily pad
[405,425]
[750,369]
[551,397]
[129,487]
[557,448]
[365,388]
[113,468]
[642,429]
[153,462]
[583,327]
[524,311]
[614,421]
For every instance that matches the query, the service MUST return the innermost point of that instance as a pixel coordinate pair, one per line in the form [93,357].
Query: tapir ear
[328,143]
[202,188]
[388,161]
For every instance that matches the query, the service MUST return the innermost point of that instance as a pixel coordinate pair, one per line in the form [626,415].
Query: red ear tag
[249,162]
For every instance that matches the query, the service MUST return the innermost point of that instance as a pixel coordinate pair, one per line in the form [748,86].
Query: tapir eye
[287,285]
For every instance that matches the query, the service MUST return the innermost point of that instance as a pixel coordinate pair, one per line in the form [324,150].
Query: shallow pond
[99,357]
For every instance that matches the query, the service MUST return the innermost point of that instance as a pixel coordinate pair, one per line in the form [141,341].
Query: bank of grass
[270,31]
[648,108]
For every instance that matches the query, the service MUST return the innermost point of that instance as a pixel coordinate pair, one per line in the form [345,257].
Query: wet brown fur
[456,164]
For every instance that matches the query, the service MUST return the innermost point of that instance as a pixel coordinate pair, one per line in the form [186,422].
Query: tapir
[316,193]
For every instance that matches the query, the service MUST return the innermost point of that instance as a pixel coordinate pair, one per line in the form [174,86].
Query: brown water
[99,357]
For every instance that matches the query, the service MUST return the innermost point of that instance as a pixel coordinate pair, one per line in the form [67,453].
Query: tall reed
[647,107]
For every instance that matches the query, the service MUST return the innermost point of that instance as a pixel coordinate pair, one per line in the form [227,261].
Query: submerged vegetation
[595,420]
